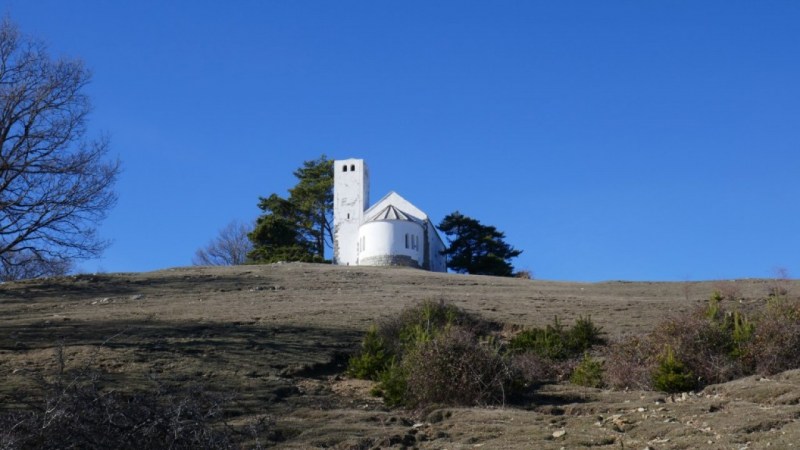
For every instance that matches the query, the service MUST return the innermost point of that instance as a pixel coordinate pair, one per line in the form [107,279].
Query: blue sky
[609,140]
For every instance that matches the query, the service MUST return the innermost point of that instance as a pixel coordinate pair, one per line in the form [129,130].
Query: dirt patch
[278,337]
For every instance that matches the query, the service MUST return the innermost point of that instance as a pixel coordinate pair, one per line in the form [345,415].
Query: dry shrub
[423,321]
[728,290]
[75,409]
[705,346]
[434,353]
[776,340]
[701,340]
[531,369]
[630,363]
[779,286]
[456,368]
[524,274]
[553,353]
[713,344]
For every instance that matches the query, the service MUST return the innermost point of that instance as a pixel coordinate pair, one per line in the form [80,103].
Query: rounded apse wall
[390,243]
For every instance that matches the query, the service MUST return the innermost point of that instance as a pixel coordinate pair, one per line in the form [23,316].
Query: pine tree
[475,248]
[297,228]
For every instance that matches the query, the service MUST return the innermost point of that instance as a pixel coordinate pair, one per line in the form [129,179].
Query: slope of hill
[278,337]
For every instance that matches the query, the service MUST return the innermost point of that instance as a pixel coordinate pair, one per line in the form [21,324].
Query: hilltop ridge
[278,335]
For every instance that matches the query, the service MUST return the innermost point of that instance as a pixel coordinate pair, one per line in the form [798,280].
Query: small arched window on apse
[344,168]
[406,240]
[352,167]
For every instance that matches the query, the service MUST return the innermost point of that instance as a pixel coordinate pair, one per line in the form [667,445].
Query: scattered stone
[137,297]
[559,433]
[619,424]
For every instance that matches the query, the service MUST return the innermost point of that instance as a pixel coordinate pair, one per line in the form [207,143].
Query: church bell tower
[350,200]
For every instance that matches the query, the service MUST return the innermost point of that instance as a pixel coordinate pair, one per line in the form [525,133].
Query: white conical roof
[391,213]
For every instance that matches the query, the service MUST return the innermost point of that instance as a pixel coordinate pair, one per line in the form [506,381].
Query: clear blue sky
[609,140]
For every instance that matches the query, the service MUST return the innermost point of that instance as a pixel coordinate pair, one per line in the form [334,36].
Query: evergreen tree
[312,198]
[476,248]
[297,228]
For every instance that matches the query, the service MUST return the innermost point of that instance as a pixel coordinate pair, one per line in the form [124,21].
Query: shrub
[75,409]
[775,338]
[456,368]
[420,322]
[712,343]
[547,343]
[531,369]
[630,363]
[583,335]
[373,358]
[524,274]
[588,373]
[704,346]
[556,342]
[433,353]
[672,375]
[393,384]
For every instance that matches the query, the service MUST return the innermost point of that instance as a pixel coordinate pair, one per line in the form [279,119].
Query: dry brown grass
[277,336]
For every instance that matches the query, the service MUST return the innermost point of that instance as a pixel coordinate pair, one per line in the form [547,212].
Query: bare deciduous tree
[229,248]
[55,184]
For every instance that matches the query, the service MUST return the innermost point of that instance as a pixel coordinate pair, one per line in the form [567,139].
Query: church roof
[391,213]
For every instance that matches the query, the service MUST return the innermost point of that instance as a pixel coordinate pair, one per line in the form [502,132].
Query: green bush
[583,335]
[547,342]
[588,373]
[672,376]
[393,385]
[556,342]
[373,358]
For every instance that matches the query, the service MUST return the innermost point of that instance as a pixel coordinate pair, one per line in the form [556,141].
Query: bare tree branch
[229,248]
[55,185]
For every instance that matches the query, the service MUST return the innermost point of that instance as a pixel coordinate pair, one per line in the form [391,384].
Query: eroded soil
[278,337]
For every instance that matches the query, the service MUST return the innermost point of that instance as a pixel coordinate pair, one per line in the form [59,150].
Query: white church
[392,232]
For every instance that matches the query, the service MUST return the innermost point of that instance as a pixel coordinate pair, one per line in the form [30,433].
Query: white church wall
[350,199]
[384,243]
[438,262]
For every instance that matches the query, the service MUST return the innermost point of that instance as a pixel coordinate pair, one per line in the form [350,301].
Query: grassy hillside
[277,336]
